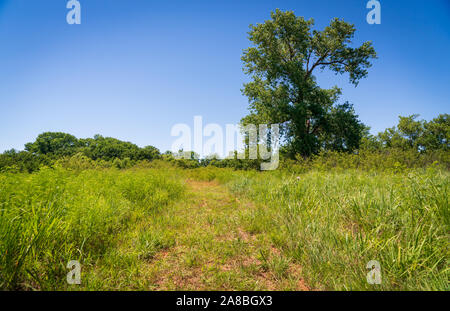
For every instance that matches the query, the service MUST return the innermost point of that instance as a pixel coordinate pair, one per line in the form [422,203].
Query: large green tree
[283,88]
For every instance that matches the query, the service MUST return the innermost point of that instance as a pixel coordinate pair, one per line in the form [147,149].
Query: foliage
[56,215]
[333,223]
[139,228]
[108,149]
[284,90]
[53,143]
[51,148]
[410,144]
[421,135]
[387,160]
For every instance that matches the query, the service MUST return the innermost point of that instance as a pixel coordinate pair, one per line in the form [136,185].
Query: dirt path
[213,251]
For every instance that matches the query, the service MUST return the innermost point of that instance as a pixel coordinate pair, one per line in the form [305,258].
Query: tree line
[419,137]
[51,146]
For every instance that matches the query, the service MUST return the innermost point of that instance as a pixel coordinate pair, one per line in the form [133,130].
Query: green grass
[334,223]
[56,215]
[211,228]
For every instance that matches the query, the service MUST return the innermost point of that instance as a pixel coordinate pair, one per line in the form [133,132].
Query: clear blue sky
[133,69]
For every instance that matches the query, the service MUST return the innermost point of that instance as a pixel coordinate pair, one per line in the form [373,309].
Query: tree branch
[309,72]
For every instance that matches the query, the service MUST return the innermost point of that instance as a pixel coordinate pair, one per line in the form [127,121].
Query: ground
[213,251]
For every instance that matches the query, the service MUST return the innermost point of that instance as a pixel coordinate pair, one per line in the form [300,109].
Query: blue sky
[133,69]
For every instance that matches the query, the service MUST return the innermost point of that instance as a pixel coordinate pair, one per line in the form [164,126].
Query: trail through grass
[200,244]
[219,229]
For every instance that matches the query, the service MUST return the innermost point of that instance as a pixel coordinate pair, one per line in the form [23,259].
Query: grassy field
[219,229]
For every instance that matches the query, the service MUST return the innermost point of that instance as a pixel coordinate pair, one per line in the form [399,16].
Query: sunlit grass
[333,224]
[55,215]
[212,228]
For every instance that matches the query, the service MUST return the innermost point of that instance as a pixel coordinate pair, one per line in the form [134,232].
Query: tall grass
[56,215]
[333,223]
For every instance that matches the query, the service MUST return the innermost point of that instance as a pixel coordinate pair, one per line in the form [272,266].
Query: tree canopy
[54,145]
[419,135]
[284,90]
